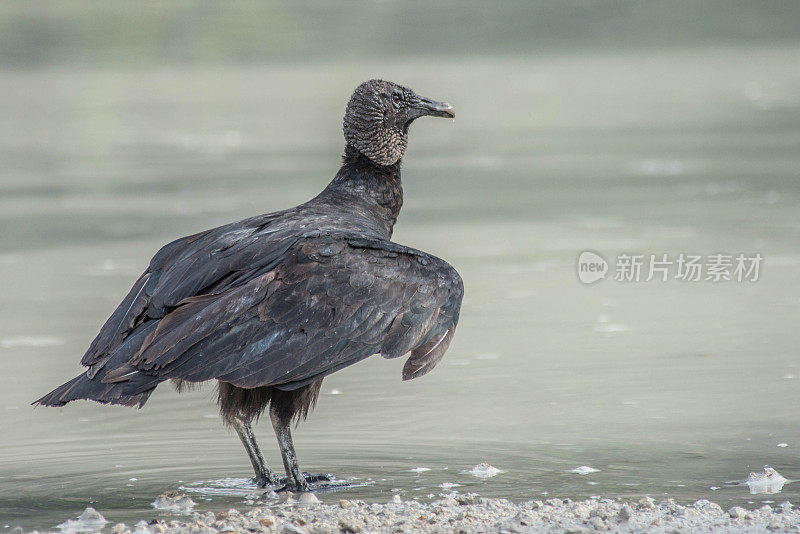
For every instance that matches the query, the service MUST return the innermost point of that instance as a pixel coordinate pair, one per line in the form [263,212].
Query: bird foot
[310,482]
[267,480]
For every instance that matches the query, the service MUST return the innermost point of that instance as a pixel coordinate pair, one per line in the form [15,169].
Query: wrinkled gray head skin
[378,116]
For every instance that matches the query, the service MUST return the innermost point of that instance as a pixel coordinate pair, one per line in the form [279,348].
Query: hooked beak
[432,108]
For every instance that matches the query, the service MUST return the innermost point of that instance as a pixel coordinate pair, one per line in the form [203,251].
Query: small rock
[174,501]
[597,523]
[673,507]
[90,520]
[737,512]
[395,499]
[344,503]
[484,470]
[525,518]
[600,512]
[142,528]
[346,526]
[625,513]
[267,522]
[465,498]
[769,482]
[90,515]
[448,502]
[647,503]
[708,506]
[289,528]
[308,498]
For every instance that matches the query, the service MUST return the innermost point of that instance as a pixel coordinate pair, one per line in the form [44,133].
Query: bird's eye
[396,99]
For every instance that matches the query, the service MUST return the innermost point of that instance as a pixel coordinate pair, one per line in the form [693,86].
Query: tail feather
[109,381]
[83,387]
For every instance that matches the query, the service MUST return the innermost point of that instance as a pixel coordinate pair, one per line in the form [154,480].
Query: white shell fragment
[89,521]
[484,470]
[768,482]
[174,501]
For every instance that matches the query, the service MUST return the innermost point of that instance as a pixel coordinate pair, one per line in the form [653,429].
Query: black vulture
[270,305]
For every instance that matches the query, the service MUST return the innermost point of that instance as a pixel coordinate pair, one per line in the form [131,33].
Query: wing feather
[331,301]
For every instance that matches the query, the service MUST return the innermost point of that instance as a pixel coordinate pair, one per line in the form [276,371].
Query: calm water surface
[669,389]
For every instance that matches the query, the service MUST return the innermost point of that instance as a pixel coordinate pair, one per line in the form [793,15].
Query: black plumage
[270,305]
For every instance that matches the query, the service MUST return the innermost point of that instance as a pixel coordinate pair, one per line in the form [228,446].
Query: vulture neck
[365,189]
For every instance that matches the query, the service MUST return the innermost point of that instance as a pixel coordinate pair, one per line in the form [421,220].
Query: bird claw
[317,477]
[309,483]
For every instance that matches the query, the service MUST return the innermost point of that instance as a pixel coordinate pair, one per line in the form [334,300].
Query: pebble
[174,501]
[737,512]
[625,513]
[484,470]
[347,526]
[448,502]
[142,527]
[308,498]
[89,521]
[647,503]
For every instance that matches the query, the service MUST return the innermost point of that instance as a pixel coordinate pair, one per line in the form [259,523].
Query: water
[668,389]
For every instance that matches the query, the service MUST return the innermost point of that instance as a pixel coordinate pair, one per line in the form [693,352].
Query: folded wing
[329,301]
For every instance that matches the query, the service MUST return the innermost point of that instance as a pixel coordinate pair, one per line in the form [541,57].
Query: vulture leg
[295,480]
[264,475]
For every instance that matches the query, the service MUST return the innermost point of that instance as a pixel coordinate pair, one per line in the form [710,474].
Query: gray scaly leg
[295,481]
[264,475]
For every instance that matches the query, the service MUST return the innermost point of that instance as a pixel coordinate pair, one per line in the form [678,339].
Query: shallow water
[668,389]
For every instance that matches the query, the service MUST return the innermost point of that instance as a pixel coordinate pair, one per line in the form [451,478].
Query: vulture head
[378,116]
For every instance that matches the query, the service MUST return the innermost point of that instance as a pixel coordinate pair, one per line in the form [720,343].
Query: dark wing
[206,263]
[333,300]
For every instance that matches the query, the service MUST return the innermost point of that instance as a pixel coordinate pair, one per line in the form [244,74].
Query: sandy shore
[460,514]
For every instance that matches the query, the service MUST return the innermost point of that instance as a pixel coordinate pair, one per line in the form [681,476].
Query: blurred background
[617,126]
